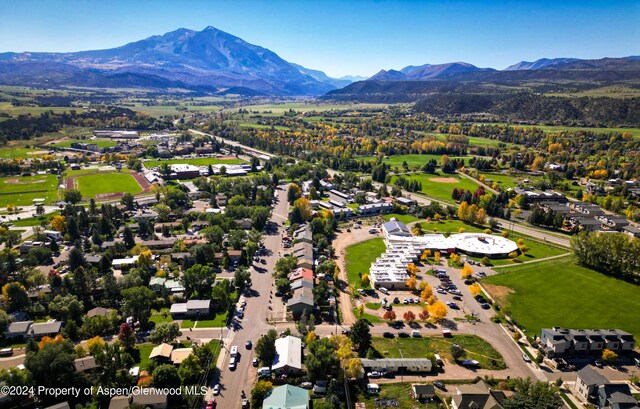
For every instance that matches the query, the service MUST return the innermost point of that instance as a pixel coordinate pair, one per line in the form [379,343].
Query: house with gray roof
[301,301]
[478,396]
[587,382]
[561,342]
[616,396]
[50,328]
[17,329]
[395,228]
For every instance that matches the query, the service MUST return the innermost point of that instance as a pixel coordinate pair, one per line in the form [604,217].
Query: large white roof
[288,353]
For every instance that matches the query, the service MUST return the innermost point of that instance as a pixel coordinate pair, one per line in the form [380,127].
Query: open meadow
[359,257]
[21,191]
[440,186]
[561,293]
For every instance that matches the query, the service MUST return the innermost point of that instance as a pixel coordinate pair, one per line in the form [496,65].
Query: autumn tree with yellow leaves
[437,310]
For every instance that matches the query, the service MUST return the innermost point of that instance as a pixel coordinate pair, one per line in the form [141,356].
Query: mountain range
[212,61]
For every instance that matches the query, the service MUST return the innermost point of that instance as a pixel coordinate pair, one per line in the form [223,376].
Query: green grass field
[21,191]
[561,293]
[554,128]
[6,107]
[359,258]
[101,142]
[411,159]
[403,218]
[193,161]
[506,181]
[279,109]
[475,347]
[399,391]
[449,226]
[441,186]
[17,153]
[105,183]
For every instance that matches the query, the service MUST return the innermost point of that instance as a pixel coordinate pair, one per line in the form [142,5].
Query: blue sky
[342,37]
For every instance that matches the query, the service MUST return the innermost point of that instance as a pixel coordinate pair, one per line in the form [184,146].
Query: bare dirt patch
[38,153]
[499,293]
[444,180]
[17,181]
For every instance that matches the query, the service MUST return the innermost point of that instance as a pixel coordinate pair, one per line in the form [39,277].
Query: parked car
[440,385]
[403,334]
[388,335]
[526,358]
[216,389]
[405,300]
[211,404]
[598,363]
[374,374]
[457,297]
[255,362]
[485,306]
[396,300]
[441,291]
[248,344]
[306,385]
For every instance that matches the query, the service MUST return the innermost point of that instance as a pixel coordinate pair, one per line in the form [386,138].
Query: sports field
[21,191]
[98,184]
[411,159]
[101,142]
[193,161]
[441,186]
[359,257]
[561,293]
[20,153]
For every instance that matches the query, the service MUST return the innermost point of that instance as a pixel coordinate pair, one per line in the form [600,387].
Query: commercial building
[184,171]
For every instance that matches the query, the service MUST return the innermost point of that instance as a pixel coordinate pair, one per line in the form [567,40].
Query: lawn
[441,186]
[18,152]
[561,293]
[506,181]
[449,226]
[413,159]
[21,191]
[144,350]
[403,218]
[193,161]
[35,221]
[220,320]
[101,142]
[475,347]
[399,391]
[359,257]
[106,183]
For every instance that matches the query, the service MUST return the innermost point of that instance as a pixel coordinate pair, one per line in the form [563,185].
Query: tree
[52,364]
[128,200]
[436,257]
[412,269]
[58,223]
[390,316]
[259,392]
[412,283]
[437,310]
[241,277]
[15,296]
[424,314]
[197,280]
[466,271]
[457,351]
[293,193]
[321,359]
[283,286]
[166,376]
[126,336]
[127,238]
[190,370]
[360,335]
[76,259]
[475,289]
[306,211]
[72,196]
[426,292]
[409,316]
[65,308]
[609,356]
[163,211]
[266,347]
[530,394]
[165,332]
[137,303]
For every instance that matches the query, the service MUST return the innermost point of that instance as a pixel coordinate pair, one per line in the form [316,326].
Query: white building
[288,355]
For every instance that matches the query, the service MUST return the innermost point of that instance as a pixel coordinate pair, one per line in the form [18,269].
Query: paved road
[259,301]
[232,143]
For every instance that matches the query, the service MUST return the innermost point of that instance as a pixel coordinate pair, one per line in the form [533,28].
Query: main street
[260,300]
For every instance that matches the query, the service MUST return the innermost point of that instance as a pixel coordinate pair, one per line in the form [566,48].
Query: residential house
[157,284]
[304,234]
[244,224]
[587,382]
[180,354]
[338,196]
[174,286]
[287,397]
[17,329]
[426,391]
[93,259]
[191,309]
[374,208]
[405,201]
[100,311]
[50,328]
[170,226]
[161,353]
[146,398]
[560,342]
[300,273]
[301,302]
[303,252]
[478,396]
[288,359]
[86,363]
[616,396]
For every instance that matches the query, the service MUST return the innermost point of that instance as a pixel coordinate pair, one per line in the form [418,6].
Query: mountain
[428,71]
[539,64]
[322,77]
[208,59]
[391,75]
[409,68]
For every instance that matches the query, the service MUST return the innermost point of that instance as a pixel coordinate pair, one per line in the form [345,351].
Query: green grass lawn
[359,258]
[158,318]
[101,142]
[193,161]
[144,351]
[438,185]
[399,391]
[506,181]
[561,293]
[17,152]
[21,191]
[475,347]
[215,322]
[449,226]
[105,183]
[35,221]
[403,218]
[414,159]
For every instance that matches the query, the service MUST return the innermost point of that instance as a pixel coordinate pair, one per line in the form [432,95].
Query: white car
[216,389]
[526,358]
